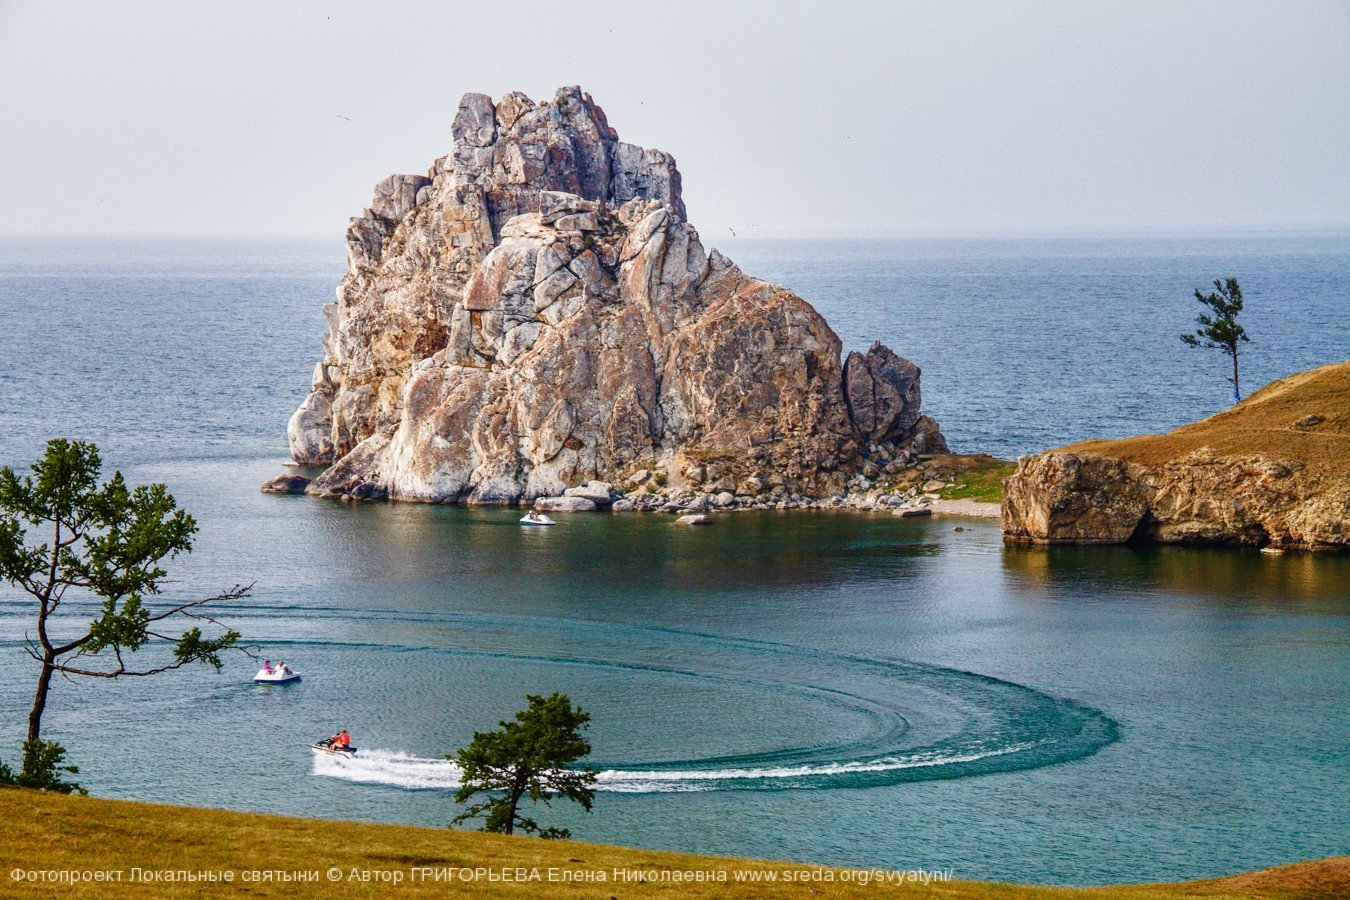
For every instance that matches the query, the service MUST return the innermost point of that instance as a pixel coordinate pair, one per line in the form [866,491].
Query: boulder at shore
[1273,471]
[536,314]
[285,483]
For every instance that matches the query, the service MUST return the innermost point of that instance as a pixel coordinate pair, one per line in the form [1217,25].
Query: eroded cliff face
[1274,471]
[537,312]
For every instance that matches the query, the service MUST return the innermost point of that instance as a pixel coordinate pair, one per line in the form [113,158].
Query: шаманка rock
[536,312]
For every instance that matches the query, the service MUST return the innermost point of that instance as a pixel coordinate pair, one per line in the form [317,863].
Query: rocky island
[1273,471]
[536,318]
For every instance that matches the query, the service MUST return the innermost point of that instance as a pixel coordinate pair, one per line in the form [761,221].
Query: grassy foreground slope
[49,833]
[1305,417]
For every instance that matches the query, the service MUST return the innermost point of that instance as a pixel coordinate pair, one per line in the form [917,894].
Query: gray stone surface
[564,504]
[285,484]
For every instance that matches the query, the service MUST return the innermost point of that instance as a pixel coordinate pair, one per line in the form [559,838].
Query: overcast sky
[786,119]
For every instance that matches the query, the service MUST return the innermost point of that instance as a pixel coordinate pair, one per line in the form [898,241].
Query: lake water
[838,688]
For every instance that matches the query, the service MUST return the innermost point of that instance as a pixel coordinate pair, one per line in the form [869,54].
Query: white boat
[537,519]
[276,675]
[327,747]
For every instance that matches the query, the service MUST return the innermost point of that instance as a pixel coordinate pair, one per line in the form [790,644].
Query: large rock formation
[882,393]
[536,313]
[1272,471]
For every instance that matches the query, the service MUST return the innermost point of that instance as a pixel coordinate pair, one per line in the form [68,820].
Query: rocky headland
[1272,472]
[535,321]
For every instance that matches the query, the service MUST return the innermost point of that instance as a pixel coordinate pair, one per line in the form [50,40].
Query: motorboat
[535,518]
[282,674]
[326,746]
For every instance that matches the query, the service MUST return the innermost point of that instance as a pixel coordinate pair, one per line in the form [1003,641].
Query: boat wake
[839,721]
[402,770]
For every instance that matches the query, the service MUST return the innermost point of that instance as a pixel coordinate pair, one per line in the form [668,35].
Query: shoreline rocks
[600,493]
[1271,472]
[900,495]
[564,504]
[285,483]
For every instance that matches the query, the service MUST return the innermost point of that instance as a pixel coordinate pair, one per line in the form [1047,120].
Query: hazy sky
[811,118]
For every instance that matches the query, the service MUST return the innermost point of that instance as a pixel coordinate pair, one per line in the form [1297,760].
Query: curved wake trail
[906,721]
[403,770]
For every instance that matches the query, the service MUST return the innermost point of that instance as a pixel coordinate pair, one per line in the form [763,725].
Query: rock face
[1065,498]
[1268,472]
[882,392]
[537,313]
[883,397]
[564,504]
[285,484]
[598,492]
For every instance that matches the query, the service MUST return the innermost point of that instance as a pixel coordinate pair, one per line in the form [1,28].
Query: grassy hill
[49,833]
[1304,417]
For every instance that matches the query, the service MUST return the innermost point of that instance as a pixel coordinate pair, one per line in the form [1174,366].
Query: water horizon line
[727,234]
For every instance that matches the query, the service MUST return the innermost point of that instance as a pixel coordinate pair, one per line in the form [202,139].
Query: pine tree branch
[235,593]
[120,672]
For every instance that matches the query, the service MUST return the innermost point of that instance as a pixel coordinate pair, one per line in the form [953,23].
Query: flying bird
[344,117]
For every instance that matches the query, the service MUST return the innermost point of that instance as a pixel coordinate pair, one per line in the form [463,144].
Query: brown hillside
[46,835]
[1279,420]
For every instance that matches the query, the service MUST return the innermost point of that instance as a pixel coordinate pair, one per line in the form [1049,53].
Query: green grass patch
[981,485]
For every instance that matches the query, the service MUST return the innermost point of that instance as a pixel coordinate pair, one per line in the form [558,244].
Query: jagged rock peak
[516,148]
[537,313]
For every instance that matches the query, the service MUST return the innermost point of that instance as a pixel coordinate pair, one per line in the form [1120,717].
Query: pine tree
[528,756]
[1221,330]
[65,535]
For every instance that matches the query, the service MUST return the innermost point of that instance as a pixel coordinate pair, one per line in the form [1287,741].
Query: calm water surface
[837,688]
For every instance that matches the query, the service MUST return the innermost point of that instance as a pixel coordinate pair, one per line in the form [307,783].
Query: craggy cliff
[536,313]
[1273,471]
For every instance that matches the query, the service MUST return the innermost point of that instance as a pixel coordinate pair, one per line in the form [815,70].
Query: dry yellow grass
[1264,423]
[52,833]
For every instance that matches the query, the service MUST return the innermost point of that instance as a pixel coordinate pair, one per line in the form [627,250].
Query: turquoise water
[839,688]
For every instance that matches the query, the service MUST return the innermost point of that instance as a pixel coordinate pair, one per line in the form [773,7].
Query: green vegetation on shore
[50,833]
[965,476]
[983,484]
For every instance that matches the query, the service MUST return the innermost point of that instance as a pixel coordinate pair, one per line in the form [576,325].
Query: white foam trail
[418,773]
[389,767]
